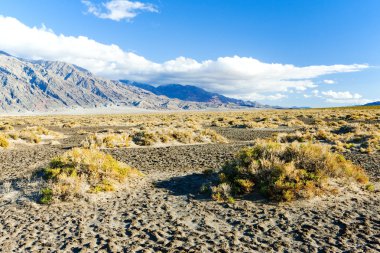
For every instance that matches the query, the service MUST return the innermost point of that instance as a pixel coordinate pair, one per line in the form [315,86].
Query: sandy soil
[165,212]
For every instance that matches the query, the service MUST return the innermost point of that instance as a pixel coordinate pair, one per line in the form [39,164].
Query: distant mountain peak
[5,53]
[373,103]
[194,94]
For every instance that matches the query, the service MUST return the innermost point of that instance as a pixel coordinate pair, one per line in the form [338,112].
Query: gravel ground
[164,211]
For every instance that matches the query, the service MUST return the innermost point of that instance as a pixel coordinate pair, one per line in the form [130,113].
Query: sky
[316,53]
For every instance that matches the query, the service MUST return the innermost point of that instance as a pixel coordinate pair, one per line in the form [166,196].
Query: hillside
[46,85]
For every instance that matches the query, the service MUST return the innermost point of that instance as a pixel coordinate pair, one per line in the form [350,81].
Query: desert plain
[170,205]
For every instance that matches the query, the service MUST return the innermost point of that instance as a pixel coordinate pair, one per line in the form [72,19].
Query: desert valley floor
[164,211]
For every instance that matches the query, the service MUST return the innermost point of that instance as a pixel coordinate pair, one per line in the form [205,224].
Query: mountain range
[373,103]
[29,85]
[192,93]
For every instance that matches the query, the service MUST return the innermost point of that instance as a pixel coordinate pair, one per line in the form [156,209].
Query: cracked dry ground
[164,212]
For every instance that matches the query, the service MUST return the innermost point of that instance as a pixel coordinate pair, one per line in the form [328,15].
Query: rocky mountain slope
[193,93]
[45,85]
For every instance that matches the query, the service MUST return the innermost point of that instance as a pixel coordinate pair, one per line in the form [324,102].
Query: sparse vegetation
[149,136]
[32,135]
[353,129]
[83,170]
[285,172]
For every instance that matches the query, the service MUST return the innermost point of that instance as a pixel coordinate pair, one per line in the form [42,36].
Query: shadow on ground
[22,188]
[190,185]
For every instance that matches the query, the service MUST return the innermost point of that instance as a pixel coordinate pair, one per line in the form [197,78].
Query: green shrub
[370,187]
[46,196]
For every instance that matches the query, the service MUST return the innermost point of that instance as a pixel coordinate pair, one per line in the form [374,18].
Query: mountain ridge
[373,103]
[38,85]
[193,93]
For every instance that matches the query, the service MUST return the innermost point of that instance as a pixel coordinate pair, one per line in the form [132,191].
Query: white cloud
[257,96]
[327,81]
[315,92]
[240,77]
[352,101]
[343,97]
[118,9]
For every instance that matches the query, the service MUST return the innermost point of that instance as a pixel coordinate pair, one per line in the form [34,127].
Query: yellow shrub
[285,172]
[4,143]
[80,170]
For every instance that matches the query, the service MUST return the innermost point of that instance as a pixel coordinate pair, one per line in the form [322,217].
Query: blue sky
[285,52]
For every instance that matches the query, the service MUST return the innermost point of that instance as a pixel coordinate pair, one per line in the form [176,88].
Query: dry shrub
[151,136]
[294,137]
[345,129]
[285,172]
[145,138]
[33,134]
[213,136]
[6,127]
[179,135]
[83,170]
[106,141]
[4,143]
[29,136]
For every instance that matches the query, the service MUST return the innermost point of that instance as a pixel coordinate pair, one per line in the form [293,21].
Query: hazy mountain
[373,103]
[46,85]
[192,93]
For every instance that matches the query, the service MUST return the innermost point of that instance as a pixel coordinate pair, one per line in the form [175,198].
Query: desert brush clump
[4,143]
[152,135]
[145,138]
[35,134]
[6,127]
[31,134]
[106,141]
[184,135]
[294,137]
[285,172]
[81,171]
[343,137]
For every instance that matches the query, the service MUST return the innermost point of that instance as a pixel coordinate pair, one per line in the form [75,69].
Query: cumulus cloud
[341,94]
[118,9]
[327,81]
[257,96]
[240,77]
[343,97]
